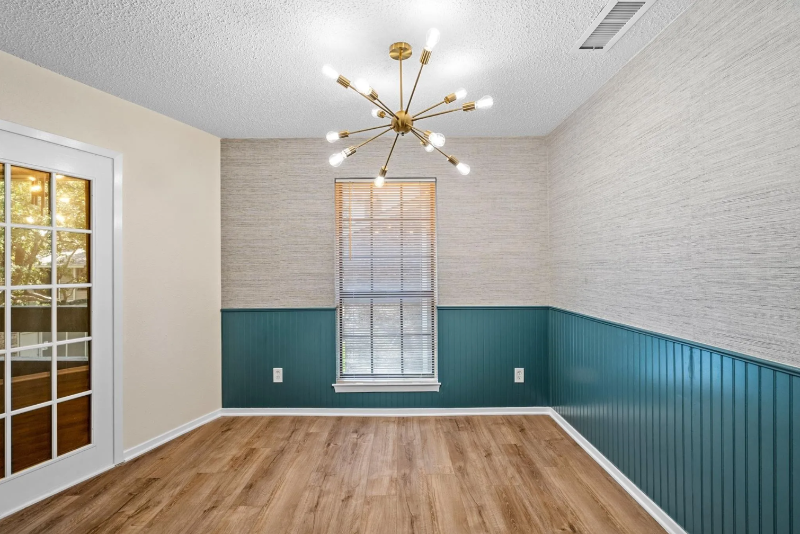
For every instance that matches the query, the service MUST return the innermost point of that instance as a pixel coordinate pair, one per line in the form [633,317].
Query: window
[49,402]
[386,285]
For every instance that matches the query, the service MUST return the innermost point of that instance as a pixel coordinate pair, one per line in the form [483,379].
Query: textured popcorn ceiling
[239,68]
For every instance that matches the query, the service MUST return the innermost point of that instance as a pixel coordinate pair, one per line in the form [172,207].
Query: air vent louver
[611,24]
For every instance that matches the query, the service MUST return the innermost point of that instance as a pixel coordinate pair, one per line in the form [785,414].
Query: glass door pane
[30,196]
[47,354]
[31,438]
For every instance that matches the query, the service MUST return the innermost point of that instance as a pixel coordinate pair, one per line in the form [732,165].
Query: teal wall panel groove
[708,435]
[478,350]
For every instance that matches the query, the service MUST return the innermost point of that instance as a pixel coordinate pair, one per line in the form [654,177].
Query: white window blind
[386,278]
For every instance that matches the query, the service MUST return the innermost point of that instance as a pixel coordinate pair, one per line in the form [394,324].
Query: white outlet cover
[519,374]
[277,374]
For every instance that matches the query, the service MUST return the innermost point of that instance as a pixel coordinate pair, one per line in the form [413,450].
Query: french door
[56,307]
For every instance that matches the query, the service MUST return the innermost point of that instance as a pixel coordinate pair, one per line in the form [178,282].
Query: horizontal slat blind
[386,278]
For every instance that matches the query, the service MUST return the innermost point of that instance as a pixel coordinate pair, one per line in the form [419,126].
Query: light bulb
[429,148]
[461,93]
[336,159]
[362,86]
[436,140]
[377,113]
[463,168]
[484,103]
[432,38]
[379,180]
[330,72]
[332,137]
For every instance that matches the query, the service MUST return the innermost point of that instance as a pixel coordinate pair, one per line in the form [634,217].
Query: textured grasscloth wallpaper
[675,191]
[278,218]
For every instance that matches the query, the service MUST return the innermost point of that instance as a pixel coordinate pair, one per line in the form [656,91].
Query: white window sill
[379,386]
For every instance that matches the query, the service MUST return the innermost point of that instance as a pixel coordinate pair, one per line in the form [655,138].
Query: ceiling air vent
[611,24]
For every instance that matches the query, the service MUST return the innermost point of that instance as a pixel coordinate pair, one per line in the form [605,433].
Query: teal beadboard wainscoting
[478,347]
[708,435]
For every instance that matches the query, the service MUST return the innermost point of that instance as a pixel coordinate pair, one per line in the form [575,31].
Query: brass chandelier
[402,121]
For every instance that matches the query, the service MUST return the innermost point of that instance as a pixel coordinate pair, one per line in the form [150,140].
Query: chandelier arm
[390,151]
[428,109]
[385,106]
[368,129]
[436,114]
[373,138]
[376,102]
[415,87]
[421,138]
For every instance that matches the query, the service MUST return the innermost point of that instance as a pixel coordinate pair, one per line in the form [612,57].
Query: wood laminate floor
[351,474]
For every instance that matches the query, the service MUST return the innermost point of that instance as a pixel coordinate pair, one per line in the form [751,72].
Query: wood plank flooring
[350,474]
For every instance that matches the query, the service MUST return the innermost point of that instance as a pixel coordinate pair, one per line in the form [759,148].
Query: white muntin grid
[7,352]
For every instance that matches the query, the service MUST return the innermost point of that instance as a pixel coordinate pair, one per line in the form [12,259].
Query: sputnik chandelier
[402,122]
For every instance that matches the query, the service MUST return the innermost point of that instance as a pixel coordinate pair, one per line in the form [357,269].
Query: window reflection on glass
[31,438]
[30,196]
[30,317]
[2,253]
[72,257]
[72,313]
[72,202]
[30,377]
[30,257]
[2,195]
[74,420]
[74,372]
[2,322]
[2,385]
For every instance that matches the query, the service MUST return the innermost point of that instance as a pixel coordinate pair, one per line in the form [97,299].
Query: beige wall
[171,240]
[278,219]
[675,190]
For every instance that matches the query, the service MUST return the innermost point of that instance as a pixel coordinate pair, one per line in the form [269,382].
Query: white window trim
[378,385]
[394,385]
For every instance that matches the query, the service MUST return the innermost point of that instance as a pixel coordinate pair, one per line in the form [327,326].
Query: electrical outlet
[519,374]
[277,374]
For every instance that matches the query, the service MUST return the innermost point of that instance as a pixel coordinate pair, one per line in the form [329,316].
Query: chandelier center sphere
[403,122]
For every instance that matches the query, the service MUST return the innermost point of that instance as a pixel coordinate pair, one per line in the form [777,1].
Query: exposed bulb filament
[436,140]
[330,72]
[484,103]
[432,38]
[336,159]
[362,86]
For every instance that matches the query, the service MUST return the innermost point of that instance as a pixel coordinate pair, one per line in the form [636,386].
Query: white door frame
[116,157]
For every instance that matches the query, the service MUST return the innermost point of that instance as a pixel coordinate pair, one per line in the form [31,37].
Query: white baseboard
[382,412]
[663,519]
[157,441]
